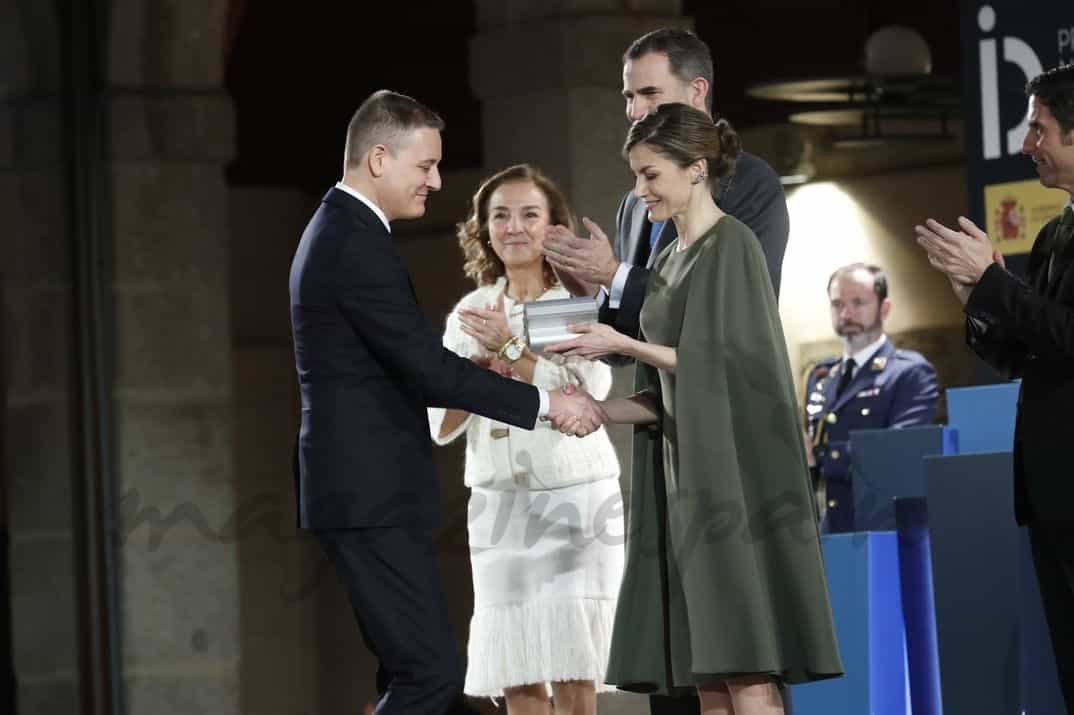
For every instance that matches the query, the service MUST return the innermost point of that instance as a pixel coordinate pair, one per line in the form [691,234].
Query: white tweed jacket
[499,456]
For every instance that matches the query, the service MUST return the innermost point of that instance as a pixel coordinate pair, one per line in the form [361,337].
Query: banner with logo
[1005,43]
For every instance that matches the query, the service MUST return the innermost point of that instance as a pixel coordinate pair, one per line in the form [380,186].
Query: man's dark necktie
[647,251]
[1063,234]
[845,377]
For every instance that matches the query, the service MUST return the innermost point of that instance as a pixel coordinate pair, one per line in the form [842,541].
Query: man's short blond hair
[385,117]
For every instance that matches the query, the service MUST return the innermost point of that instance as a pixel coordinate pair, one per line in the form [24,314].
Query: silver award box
[545,322]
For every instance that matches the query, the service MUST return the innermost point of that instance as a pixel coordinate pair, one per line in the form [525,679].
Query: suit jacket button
[864,411]
[833,503]
[832,419]
[834,454]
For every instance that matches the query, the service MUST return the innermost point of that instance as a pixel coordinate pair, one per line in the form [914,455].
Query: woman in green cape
[724,588]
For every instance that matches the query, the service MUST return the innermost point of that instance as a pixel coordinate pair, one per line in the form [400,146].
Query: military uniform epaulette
[910,356]
[821,369]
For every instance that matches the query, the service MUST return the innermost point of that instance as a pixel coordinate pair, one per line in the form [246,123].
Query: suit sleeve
[755,197]
[1018,313]
[915,397]
[1003,354]
[628,302]
[374,296]
[462,345]
[625,317]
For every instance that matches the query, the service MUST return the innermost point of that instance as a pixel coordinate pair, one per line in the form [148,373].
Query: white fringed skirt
[547,566]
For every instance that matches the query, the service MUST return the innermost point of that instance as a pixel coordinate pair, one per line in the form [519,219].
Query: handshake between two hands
[575,412]
[570,410]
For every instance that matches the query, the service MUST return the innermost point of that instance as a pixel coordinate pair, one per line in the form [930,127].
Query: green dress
[723,573]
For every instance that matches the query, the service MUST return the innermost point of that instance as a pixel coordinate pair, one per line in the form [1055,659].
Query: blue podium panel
[975,562]
[993,650]
[1040,690]
[918,605]
[886,464]
[983,417]
[863,580]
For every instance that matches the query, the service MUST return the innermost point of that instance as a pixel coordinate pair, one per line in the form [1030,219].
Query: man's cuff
[980,302]
[615,290]
[542,410]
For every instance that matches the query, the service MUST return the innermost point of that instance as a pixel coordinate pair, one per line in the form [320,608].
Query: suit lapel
[1062,261]
[364,214]
[639,232]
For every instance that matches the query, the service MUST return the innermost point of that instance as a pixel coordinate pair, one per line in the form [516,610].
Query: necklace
[523,298]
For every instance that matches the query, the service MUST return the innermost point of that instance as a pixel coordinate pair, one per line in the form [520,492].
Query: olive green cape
[724,573]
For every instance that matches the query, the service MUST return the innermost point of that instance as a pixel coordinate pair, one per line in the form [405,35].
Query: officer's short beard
[869,334]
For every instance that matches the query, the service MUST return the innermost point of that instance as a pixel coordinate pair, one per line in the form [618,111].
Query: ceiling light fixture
[896,99]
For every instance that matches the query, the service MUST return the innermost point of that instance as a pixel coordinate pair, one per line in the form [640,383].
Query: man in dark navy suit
[666,65]
[872,385]
[368,365]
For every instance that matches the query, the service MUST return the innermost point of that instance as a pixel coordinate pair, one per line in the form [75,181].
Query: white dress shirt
[372,206]
[865,354]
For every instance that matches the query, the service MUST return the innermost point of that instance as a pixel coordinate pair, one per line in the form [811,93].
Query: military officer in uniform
[872,385]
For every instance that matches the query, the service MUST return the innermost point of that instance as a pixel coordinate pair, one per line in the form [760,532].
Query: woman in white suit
[545,520]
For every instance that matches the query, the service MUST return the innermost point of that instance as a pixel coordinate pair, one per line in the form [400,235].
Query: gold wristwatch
[512,350]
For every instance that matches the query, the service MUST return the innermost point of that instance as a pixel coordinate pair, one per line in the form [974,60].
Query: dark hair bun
[730,146]
[685,134]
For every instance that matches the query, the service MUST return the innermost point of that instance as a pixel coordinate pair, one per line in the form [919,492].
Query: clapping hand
[582,264]
[575,412]
[487,326]
[962,255]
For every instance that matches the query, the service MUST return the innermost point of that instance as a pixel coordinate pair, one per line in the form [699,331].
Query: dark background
[297,71]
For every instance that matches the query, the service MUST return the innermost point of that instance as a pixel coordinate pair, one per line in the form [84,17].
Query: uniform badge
[879,363]
[869,393]
[813,409]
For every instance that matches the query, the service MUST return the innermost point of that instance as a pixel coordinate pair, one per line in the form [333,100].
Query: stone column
[171,133]
[549,75]
[36,346]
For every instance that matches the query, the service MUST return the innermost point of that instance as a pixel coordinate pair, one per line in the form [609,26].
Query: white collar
[372,206]
[862,356]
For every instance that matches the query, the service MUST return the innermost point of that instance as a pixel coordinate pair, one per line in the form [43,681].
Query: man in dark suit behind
[666,65]
[1025,328]
[368,365]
